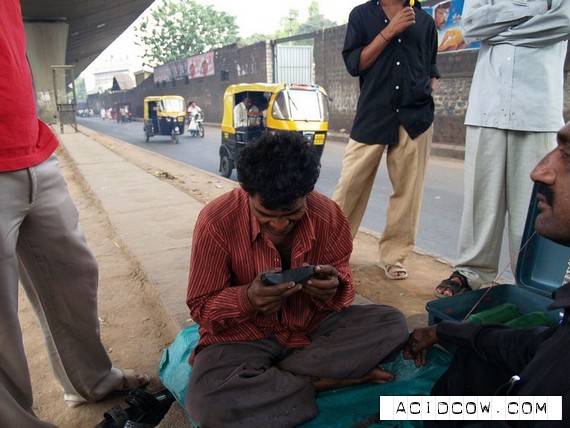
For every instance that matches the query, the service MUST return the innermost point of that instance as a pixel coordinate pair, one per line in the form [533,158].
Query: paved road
[441,209]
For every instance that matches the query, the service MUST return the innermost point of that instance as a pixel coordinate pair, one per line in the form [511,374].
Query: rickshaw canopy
[272,107]
[168,105]
[294,107]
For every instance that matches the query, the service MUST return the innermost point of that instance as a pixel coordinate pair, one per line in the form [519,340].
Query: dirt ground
[133,324]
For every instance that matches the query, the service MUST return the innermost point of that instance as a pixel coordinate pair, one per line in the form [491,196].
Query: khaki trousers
[406,163]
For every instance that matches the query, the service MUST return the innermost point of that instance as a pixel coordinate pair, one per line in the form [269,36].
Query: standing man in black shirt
[392,48]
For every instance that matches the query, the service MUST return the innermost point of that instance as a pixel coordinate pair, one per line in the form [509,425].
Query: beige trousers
[406,163]
[43,246]
[498,163]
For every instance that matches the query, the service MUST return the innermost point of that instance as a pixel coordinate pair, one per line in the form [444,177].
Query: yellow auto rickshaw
[164,115]
[253,108]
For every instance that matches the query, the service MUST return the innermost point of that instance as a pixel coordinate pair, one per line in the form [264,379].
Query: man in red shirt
[266,350]
[43,246]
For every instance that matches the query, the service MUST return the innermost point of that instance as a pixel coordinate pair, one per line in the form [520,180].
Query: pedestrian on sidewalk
[392,48]
[515,109]
[266,350]
[42,246]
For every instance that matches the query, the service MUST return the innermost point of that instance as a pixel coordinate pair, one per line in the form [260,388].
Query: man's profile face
[553,177]
[278,223]
[440,16]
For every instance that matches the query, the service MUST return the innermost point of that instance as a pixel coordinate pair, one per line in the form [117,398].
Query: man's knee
[384,325]
[389,320]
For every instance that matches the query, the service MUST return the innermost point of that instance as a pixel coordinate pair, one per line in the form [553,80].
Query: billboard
[447,16]
[191,67]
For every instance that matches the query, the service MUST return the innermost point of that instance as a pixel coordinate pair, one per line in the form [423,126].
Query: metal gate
[65,98]
[293,64]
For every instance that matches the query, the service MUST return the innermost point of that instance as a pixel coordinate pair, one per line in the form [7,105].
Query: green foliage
[182,28]
[316,20]
[255,38]
[291,26]
[80,89]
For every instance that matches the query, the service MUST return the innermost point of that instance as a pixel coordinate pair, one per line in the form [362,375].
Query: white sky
[259,16]
[252,16]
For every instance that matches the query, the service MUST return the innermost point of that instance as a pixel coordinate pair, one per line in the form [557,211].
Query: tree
[182,28]
[316,20]
[80,90]
[255,38]
[289,25]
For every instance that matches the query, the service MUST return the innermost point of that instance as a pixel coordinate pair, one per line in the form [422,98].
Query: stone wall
[330,72]
[254,63]
[232,64]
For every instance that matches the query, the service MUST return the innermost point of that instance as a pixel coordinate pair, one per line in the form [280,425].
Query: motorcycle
[196,126]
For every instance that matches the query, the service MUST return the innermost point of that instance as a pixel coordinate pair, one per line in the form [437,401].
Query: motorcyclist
[193,110]
[195,120]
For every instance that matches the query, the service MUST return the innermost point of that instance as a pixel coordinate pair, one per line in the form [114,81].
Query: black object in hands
[297,275]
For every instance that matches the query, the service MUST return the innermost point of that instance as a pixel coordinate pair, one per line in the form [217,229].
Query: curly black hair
[281,167]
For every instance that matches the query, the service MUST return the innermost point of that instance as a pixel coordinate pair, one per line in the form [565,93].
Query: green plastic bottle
[532,319]
[499,314]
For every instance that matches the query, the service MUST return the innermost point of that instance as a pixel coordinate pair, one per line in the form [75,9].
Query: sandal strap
[140,398]
[455,287]
[132,424]
[461,277]
[117,416]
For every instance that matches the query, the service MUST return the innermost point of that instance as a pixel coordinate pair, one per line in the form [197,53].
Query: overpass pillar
[46,46]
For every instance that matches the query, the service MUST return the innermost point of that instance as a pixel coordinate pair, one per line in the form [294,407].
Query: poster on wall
[201,65]
[447,16]
[192,67]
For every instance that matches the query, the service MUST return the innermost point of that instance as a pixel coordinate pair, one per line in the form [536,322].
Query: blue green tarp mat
[345,407]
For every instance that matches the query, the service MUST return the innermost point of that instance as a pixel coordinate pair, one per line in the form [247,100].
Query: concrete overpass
[71,32]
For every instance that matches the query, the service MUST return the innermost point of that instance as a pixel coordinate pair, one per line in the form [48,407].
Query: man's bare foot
[376,376]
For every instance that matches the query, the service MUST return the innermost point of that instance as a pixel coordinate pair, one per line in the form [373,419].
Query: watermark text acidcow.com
[503,408]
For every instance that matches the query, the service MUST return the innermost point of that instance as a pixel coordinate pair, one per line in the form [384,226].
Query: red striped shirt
[229,250]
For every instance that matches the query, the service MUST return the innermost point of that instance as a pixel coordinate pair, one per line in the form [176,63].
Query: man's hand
[404,18]
[324,284]
[267,299]
[417,344]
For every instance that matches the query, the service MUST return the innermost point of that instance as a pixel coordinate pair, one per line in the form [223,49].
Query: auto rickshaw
[274,107]
[164,115]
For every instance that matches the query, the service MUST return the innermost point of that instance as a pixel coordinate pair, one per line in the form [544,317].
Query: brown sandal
[453,286]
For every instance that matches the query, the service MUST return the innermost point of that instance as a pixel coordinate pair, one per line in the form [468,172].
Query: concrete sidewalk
[154,220]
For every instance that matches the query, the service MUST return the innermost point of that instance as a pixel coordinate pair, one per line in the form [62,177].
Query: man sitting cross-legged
[266,350]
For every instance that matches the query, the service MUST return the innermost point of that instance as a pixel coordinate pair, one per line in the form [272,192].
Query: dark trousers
[264,384]
[468,375]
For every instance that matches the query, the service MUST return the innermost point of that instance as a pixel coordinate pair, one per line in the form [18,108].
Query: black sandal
[453,286]
[116,417]
[145,410]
